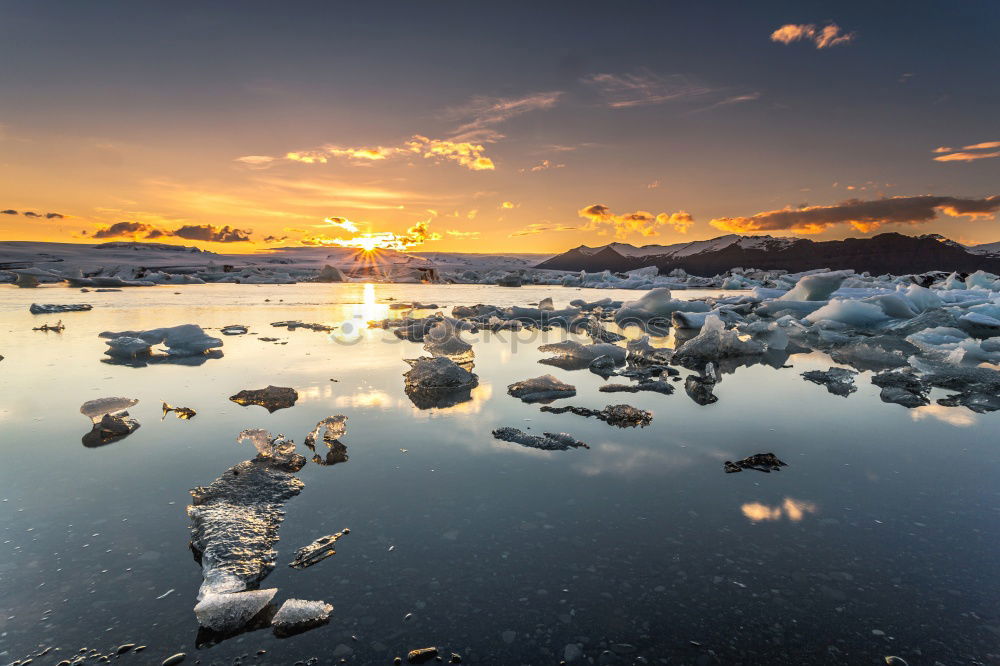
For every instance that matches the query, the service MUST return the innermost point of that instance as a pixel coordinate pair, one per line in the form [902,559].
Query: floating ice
[110,420]
[715,342]
[298,615]
[317,551]
[856,314]
[838,381]
[655,305]
[181,412]
[438,382]
[53,308]
[541,389]
[272,398]
[234,329]
[700,388]
[818,287]
[570,354]
[443,339]
[762,462]
[548,441]
[620,416]
[227,613]
[656,385]
[125,347]
[183,340]
[333,428]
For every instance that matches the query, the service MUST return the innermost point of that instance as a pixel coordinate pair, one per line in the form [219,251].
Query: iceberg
[656,305]
[183,340]
[110,420]
[438,382]
[817,287]
[715,342]
[838,381]
[53,308]
[297,615]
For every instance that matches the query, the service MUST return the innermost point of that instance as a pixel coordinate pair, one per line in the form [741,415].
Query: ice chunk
[227,613]
[620,416]
[185,413]
[183,340]
[979,324]
[331,274]
[838,381]
[642,352]
[818,287]
[595,329]
[715,342]
[271,398]
[55,328]
[656,385]
[298,615]
[923,299]
[276,449]
[333,427]
[438,382]
[53,308]
[96,409]
[856,314]
[235,520]
[541,389]
[234,329]
[701,389]
[655,305]
[443,339]
[937,342]
[548,441]
[317,551]
[571,349]
[762,462]
[770,334]
[125,347]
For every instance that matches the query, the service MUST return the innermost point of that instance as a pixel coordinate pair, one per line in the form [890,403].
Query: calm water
[879,538]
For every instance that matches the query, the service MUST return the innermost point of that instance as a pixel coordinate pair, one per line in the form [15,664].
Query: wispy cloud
[463,234]
[31,213]
[865,216]
[483,113]
[599,216]
[544,165]
[541,228]
[976,151]
[825,37]
[643,87]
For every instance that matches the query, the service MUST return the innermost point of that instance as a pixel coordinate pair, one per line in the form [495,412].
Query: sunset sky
[514,126]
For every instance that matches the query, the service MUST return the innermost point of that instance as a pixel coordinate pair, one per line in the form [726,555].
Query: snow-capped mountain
[884,253]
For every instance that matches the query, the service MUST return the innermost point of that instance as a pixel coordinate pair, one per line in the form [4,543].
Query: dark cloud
[30,213]
[9,211]
[156,233]
[207,232]
[864,216]
[123,229]
[275,239]
[54,216]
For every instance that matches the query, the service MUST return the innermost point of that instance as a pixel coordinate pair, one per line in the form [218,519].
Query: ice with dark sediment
[271,398]
[317,551]
[838,381]
[640,352]
[55,308]
[547,441]
[655,385]
[620,416]
[443,339]
[438,381]
[570,350]
[110,420]
[545,388]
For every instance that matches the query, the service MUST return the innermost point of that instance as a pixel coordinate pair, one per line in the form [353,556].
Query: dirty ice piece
[548,441]
[271,398]
[838,381]
[52,308]
[110,420]
[317,551]
[762,462]
[333,427]
[620,416]
[181,412]
[541,389]
[438,382]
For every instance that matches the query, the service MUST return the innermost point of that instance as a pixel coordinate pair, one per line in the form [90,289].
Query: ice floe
[541,389]
[547,441]
[271,398]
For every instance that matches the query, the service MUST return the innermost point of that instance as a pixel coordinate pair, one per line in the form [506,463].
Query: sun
[368,244]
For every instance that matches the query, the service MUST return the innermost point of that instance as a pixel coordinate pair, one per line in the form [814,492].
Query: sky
[500,127]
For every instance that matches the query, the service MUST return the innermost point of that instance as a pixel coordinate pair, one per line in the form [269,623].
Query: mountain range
[884,253]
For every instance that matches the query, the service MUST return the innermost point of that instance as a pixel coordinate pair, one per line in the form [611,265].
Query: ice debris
[181,412]
[620,416]
[110,420]
[272,398]
[55,328]
[53,308]
[655,385]
[716,342]
[443,339]
[297,615]
[570,354]
[541,389]
[762,462]
[656,305]
[333,428]
[183,340]
[225,613]
[438,382]
[548,441]
[838,381]
[317,551]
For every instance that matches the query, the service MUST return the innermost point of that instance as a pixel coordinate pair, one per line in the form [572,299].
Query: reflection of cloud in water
[611,458]
[791,508]
[480,395]
[955,416]
[367,399]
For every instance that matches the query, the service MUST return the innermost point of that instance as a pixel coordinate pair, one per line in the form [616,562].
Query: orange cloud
[965,156]
[469,155]
[864,216]
[791,508]
[825,37]
[641,222]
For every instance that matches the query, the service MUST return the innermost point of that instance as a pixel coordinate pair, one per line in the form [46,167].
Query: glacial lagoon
[878,538]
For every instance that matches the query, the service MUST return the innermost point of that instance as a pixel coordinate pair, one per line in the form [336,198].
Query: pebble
[421,655]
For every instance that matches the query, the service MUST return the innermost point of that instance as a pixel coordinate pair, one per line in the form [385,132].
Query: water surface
[879,538]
